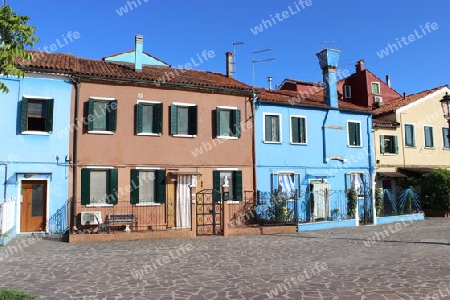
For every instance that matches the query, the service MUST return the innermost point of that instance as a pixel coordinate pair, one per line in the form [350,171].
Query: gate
[209,213]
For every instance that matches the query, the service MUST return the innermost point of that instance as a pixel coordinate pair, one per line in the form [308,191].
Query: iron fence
[402,202]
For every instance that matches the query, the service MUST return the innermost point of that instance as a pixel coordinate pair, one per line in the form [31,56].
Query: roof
[83,67]
[393,105]
[384,124]
[295,98]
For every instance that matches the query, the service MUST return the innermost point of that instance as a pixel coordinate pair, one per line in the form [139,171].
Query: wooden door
[33,207]
[171,198]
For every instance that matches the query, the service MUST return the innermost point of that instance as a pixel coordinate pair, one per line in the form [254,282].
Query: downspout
[73,220]
[6,179]
[371,168]
[252,103]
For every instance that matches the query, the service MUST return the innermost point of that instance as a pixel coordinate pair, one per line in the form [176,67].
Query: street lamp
[445,103]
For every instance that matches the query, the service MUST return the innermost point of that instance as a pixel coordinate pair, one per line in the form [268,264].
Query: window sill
[100,205]
[184,135]
[101,132]
[35,133]
[299,144]
[390,154]
[227,137]
[148,204]
[352,146]
[412,147]
[233,202]
[429,148]
[268,142]
[149,134]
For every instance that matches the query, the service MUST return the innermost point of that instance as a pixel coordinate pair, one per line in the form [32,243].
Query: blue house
[34,172]
[310,151]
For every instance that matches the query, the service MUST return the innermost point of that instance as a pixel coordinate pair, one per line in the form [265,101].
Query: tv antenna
[234,56]
[260,60]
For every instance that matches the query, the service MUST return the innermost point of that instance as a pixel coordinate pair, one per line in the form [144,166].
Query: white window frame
[279,126]
[445,138]
[432,137]
[99,168]
[185,105]
[106,132]
[360,134]
[229,170]
[290,128]
[148,169]
[225,137]
[379,87]
[36,98]
[149,102]
[347,91]
[413,135]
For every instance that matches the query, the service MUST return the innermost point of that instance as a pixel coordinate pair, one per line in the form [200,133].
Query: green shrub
[10,294]
[435,189]
[379,201]
[352,201]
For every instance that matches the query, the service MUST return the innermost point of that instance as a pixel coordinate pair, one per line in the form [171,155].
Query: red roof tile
[397,103]
[68,63]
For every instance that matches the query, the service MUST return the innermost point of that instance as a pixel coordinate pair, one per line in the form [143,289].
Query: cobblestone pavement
[409,261]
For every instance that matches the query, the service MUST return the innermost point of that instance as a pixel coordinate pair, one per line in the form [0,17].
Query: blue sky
[176,31]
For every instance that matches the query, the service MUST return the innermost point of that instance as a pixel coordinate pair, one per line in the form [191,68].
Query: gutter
[73,220]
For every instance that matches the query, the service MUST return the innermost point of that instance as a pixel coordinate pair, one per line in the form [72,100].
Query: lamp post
[445,103]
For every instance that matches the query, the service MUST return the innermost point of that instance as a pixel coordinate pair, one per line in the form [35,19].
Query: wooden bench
[121,220]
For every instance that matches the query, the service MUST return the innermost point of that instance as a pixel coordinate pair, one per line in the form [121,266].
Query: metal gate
[209,213]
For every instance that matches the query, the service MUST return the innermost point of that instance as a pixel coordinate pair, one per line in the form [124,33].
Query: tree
[435,189]
[15,35]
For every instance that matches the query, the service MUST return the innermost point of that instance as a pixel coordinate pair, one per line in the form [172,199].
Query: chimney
[270,79]
[138,53]
[388,80]
[360,65]
[229,64]
[328,61]
[404,95]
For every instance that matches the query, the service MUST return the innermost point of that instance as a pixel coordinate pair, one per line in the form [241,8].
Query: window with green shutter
[298,130]
[375,88]
[149,118]
[234,179]
[354,134]
[228,122]
[183,120]
[409,136]
[36,115]
[445,138]
[272,128]
[146,187]
[388,144]
[99,186]
[429,140]
[102,115]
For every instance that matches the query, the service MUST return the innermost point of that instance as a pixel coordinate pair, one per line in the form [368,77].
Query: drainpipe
[371,168]
[6,178]
[73,219]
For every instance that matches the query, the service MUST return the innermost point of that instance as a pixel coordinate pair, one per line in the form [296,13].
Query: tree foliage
[435,189]
[15,35]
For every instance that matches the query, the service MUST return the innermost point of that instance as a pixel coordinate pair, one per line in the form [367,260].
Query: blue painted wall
[327,137]
[34,154]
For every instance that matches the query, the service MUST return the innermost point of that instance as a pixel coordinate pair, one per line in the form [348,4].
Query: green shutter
[173,120]
[268,129]
[237,122]
[85,186]
[382,148]
[237,179]
[49,115]
[112,115]
[192,127]
[295,129]
[158,117]
[395,145]
[139,117]
[90,125]
[217,189]
[218,122]
[160,186]
[24,115]
[134,183]
[112,196]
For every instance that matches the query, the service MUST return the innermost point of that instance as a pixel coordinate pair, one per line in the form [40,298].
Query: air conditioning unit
[91,218]
[377,99]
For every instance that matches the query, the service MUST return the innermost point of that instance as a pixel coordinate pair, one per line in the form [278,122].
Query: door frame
[20,197]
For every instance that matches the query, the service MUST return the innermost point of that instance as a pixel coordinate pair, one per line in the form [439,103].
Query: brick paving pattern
[410,262]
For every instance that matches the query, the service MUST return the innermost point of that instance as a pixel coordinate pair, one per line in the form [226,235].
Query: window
[298,130]
[147,186]
[228,122]
[36,115]
[409,136]
[354,134]
[445,138]
[375,88]
[234,181]
[357,183]
[285,182]
[347,91]
[149,118]
[429,141]
[272,130]
[98,186]
[388,144]
[183,120]
[102,115]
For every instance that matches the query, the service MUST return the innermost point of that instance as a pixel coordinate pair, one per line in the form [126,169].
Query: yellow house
[410,137]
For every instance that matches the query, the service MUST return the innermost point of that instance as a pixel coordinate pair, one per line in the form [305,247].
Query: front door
[33,207]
